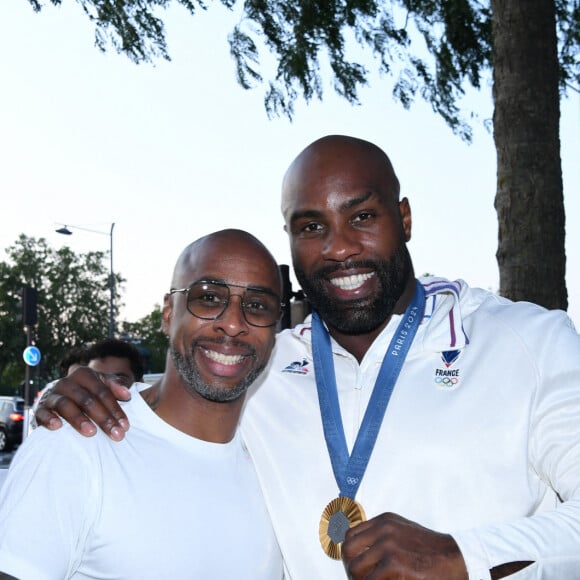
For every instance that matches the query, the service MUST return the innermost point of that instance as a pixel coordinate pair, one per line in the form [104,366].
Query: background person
[179,497]
[481,432]
[116,359]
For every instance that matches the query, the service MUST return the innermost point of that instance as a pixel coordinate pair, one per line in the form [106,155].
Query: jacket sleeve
[550,539]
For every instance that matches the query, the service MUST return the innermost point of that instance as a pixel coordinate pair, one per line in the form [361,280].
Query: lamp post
[66,231]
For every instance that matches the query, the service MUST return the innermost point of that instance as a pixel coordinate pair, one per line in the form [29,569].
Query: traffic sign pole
[31,356]
[31,353]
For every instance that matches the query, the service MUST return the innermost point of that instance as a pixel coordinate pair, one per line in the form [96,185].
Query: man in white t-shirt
[474,470]
[179,497]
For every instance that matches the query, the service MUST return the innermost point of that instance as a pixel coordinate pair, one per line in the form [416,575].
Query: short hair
[74,356]
[120,349]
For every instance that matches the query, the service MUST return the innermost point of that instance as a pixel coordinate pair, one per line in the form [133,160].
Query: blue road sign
[31,356]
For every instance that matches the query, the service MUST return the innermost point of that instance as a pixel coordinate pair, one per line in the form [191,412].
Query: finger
[376,524]
[374,556]
[101,408]
[118,391]
[360,540]
[43,416]
[356,543]
[51,405]
[81,398]
[116,383]
[360,528]
[362,562]
[46,418]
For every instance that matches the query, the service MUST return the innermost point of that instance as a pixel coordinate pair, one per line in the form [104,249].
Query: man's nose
[232,320]
[340,244]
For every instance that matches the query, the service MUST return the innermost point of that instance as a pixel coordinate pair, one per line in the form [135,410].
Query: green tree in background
[73,304]
[434,50]
[148,336]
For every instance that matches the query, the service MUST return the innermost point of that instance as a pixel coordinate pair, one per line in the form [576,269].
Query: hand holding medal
[399,548]
[344,512]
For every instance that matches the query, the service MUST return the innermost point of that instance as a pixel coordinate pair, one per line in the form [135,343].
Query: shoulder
[474,301]
[522,314]
[51,459]
[481,313]
[524,323]
[294,337]
[60,447]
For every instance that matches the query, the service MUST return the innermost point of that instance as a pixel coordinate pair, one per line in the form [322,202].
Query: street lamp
[66,231]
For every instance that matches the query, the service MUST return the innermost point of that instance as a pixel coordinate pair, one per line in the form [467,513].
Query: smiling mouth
[224,359]
[351,282]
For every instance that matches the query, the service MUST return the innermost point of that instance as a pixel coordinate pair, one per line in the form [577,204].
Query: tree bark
[529,198]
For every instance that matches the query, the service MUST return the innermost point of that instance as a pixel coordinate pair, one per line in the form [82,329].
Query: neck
[359,344]
[189,412]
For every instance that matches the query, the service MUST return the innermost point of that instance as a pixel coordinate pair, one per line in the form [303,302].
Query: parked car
[11,422]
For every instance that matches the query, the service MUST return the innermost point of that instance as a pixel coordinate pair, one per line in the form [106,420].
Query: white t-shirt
[483,425]
[158,505]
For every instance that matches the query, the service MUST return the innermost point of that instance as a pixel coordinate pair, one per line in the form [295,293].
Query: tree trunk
[529,198]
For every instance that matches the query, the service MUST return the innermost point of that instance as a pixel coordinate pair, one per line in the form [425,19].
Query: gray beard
[186,367]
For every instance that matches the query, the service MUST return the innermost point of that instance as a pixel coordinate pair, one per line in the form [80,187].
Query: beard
[360,315]
[188,370]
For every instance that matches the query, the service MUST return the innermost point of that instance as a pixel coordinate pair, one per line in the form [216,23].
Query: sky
[172,151]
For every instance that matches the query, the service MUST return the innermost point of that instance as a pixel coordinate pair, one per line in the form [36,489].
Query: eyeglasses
[208,300]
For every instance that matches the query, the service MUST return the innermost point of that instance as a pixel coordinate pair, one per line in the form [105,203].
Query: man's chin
[356,328]
[222,395]
[354,320]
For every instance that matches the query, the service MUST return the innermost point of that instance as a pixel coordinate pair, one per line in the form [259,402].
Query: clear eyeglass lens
[209,300]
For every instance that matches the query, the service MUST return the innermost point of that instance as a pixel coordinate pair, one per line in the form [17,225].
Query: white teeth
[351,282]
[224,359]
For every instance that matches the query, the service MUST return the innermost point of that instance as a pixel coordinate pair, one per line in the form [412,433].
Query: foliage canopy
[73,303]
[306,35]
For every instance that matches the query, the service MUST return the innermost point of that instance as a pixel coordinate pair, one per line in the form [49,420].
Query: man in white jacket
[446,417]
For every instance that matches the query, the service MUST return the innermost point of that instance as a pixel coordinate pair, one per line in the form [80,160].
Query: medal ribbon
[349,471]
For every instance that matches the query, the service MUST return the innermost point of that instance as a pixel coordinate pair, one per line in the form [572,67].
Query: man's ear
[406,220]
[166,313]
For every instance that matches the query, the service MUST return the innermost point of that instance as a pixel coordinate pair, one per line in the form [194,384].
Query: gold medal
[338,516]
